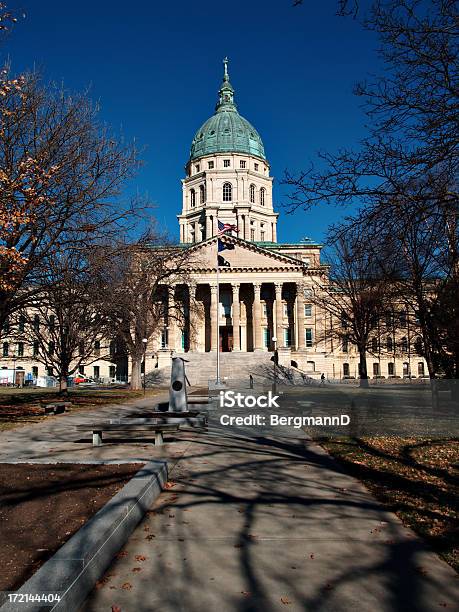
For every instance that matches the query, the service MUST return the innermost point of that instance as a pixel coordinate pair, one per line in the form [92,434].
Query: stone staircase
[235,369]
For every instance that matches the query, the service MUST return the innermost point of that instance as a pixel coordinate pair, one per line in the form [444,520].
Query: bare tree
[425,238]
[61,173]
[62,325]
[135,289]
[355,295]
[404,174]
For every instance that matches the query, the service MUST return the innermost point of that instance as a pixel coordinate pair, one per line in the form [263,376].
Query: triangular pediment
[245,255]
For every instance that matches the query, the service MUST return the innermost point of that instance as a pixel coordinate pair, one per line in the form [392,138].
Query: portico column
[257,344]
[279,315]
[213,318]
[171,315]
[300,315]
[193,318]
[236,317]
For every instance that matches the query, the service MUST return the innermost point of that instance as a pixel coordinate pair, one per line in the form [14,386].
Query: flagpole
[218,318]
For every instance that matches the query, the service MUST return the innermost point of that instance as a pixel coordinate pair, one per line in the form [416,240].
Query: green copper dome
[226,131]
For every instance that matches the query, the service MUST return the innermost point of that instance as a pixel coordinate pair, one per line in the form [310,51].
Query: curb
[75,568]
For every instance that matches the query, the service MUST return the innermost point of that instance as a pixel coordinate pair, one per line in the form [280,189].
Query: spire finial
[225,63]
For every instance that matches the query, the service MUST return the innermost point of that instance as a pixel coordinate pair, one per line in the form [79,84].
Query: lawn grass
[414,477]
[24,406]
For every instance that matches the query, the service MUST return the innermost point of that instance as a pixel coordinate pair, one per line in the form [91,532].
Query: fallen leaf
[285,600]
[127,586]
[121,554]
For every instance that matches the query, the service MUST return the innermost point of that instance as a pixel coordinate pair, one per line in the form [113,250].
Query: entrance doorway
[226,338]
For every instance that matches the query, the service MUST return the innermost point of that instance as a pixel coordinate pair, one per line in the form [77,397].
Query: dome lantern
[226,131]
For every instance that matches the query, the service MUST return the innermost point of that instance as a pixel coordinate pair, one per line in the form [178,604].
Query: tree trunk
[136,378]
[63,387]
[363,368]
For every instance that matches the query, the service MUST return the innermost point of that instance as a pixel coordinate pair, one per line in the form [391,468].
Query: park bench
[56,407]
[123,425]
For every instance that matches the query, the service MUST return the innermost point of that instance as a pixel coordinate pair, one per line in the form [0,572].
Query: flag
[222,263]
[225,227]
[222,246]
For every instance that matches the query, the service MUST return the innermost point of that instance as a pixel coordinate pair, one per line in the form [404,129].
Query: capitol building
[259,300]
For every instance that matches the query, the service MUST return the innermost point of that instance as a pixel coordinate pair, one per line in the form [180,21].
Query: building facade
[248,294]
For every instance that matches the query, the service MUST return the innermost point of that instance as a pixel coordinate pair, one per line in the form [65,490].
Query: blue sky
[155,68]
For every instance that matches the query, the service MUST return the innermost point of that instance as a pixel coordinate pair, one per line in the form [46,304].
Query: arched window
[227,192]
[202,194]
[262,196]
[193,198]
[252,193]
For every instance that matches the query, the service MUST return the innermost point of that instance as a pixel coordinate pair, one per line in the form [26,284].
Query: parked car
[83,380]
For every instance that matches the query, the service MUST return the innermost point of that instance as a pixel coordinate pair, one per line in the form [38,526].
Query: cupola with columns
[227,177]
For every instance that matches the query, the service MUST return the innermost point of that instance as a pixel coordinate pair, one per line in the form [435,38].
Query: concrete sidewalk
[56,440]
[263,520]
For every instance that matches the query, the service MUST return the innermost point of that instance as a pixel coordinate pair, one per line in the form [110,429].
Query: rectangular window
[5,349]
[81,368]
[390,369]
[256,167]
[242,163]
[36,322]
[34,371]
[287,337]
[308,336]
[266,337]
[262,236]
[164,339]
[97,348]
[210,165]
[112,371]
[252,235]
[21,323]
[96,372]
[308,310]
[264,309]
[197,168]
[50,371]
[20,349]
[345,346]
[376,369]
[51,349]
[35,348]
[285,310]
[420,368]
[226,163]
